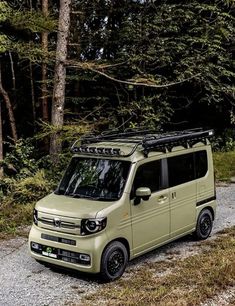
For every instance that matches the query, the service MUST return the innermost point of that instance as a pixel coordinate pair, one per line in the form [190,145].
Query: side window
[201,163]
[148,175]
[180,169]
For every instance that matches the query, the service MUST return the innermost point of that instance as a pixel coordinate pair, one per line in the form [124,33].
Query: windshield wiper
[79,195]
[107,199]
[85,196]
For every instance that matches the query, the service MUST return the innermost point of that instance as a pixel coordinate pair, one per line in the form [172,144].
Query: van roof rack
[146,140]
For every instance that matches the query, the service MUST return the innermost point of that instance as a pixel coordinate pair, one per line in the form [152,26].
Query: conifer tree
[57,115]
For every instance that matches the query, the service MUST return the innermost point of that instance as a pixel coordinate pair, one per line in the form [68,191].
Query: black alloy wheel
[114,261]
[204,225]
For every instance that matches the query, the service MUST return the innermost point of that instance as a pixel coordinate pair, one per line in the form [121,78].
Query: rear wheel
[204,225]
[114,261]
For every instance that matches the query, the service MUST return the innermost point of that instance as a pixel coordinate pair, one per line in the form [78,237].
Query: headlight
[35,216]
[91,226]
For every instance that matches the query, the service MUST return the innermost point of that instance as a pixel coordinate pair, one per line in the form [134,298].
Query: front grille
[59,223]
[58,239]
[69,256]
[60,254]
[62,224]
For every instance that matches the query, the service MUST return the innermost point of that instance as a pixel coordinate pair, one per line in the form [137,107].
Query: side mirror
[143,193]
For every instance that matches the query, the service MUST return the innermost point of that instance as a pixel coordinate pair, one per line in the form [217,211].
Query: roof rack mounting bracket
[204,141]
[146,153]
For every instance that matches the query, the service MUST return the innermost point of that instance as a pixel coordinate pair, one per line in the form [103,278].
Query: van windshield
[96,179]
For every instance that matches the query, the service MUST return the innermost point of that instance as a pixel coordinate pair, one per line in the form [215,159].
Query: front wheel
[204,225]
[114,261]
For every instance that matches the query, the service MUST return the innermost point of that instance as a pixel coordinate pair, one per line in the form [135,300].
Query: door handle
[173,195]
[162,199]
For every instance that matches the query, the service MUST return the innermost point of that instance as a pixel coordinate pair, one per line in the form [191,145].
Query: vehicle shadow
[163,253]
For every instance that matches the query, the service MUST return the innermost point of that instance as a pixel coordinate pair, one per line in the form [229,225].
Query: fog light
[84,257]
[35,246]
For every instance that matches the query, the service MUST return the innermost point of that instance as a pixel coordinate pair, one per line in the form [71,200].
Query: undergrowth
[224,165]
[25,181]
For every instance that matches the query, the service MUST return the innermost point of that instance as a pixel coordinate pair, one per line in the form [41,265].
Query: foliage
[69,132]
[22,27]
[186,46]
[156,43]
[3,43]
[33,21]
[31,51]
[54,172]
[224,142]
[25,181]
[26,190]
[20,159]
[4,11]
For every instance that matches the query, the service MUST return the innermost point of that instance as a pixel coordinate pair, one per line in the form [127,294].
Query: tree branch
[143,84]
[87,66]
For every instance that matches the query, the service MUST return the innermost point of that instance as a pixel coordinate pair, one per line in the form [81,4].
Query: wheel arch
[211,211]
[124,241]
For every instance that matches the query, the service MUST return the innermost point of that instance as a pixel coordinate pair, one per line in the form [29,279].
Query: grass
[16,206]
[14,216]
[190,281]
[224,164]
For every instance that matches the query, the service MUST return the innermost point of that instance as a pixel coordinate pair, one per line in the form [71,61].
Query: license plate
[49,252]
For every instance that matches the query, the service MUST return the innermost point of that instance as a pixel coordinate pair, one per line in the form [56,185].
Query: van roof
[138,142]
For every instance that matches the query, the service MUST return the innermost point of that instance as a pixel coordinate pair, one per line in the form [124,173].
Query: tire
[204,225]
[113,262]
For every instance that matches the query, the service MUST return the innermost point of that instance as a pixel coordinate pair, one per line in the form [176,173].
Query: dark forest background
[70,67]
[167,65]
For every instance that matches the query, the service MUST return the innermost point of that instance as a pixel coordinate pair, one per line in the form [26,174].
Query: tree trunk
[13,73]
[32,93]
[7,100]
[57,114]
[1,141]
[45,110]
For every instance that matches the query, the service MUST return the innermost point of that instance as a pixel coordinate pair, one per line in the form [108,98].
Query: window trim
[163,176]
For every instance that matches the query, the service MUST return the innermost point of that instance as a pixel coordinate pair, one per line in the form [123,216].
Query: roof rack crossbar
[177,138]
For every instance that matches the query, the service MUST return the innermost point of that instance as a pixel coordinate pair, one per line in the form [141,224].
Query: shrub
[32,188]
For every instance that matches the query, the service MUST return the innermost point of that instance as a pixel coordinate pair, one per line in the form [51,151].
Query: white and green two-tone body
[109,208]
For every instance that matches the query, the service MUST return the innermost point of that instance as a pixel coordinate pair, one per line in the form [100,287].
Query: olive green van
[124,194]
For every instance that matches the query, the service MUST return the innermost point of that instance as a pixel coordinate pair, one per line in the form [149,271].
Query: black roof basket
[148,140]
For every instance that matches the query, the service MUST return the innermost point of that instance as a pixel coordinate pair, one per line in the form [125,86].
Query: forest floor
[184,272]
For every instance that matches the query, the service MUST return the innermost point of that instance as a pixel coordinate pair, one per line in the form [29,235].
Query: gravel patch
[221,300]
[226,208]
[23,281]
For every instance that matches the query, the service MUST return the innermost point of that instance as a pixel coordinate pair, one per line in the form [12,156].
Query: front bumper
[69,251]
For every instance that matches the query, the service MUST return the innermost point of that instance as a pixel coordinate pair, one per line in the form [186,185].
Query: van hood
[60,205]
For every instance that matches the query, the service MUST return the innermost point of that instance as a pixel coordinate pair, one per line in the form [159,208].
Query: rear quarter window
[187,167]
[201,163]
